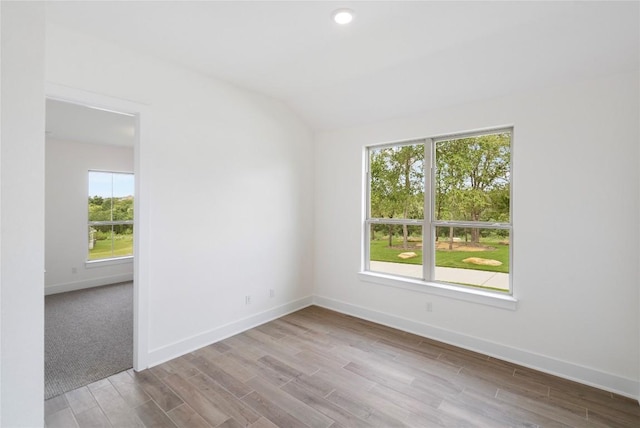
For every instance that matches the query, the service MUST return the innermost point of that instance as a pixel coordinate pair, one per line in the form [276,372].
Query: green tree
[397,185]
[472,180]
[111,209]
[123,209]
[99,209]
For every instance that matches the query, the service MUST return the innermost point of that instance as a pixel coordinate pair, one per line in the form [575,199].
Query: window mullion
[110,223]
[480,224]
[111,210]
[428,259]
[398,221]
[366,245]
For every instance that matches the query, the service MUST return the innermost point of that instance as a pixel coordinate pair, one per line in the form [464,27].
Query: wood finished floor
[317,368]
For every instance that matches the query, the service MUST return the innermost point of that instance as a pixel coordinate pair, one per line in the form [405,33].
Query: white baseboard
[87,283]
[182,347]
[585,375]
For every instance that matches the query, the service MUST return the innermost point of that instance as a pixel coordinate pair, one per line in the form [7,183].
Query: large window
[439,210]
[110,215]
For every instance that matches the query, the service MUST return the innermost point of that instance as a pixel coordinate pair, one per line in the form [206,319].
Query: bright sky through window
[104,183]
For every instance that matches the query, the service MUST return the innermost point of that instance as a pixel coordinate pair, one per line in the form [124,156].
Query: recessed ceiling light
[342,16]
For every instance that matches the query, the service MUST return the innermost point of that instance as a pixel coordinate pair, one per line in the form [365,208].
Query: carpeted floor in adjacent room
[88,336]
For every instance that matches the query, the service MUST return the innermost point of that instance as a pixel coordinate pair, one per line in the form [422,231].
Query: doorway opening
[95,310]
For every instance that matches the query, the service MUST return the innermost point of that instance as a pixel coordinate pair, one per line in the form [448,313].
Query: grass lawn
[122,246]
[380,251]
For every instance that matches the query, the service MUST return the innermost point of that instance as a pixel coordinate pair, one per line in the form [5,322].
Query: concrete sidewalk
[459,276]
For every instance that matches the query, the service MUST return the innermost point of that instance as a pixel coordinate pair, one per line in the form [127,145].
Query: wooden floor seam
[318,368]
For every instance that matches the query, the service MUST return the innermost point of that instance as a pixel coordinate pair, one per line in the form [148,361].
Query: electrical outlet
[74,270]
[429,307]
[247,300]
[272,292]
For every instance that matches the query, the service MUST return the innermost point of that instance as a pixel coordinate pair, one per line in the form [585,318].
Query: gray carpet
[88,336]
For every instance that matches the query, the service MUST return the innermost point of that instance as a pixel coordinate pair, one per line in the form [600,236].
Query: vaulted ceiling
[395,59]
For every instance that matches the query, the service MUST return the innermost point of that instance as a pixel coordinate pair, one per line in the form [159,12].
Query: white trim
[88,283]
[92,264]
[190,344]
[142,215]
[365,208]
[467,294]
[511,211]
[142,114]
[470,134]
[428,229]
[564,369]
[1,360]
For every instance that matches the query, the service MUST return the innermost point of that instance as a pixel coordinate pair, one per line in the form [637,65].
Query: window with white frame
[110,215]
[439,210]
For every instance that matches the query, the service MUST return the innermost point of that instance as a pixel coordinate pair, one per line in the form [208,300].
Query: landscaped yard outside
[494,248]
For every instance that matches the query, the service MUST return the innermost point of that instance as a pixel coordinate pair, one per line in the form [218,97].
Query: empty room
[356,213]
[89,211]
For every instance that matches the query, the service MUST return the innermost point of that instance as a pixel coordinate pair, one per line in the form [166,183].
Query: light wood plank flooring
[317,368]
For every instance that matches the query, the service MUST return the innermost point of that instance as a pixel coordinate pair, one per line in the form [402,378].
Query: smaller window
[111,196]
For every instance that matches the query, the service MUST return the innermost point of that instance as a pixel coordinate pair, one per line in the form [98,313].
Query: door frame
[142,114]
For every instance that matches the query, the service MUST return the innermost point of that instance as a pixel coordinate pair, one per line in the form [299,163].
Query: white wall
[230,193]
[66,183]
[1,56]
[576,232]
[22,227]
[0,214]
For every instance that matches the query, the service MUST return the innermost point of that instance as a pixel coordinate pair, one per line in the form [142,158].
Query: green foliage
[472,178]
[472,183]
[100,235]
[110,209]
[111,240]
[397,182]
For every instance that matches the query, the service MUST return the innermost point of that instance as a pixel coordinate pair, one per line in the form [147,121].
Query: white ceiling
[72,122]
[396,58]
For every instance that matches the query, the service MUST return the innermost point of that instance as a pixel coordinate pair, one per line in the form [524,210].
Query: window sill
[444,290]
[90,264]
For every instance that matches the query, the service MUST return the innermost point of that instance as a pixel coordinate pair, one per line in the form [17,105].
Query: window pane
[110,241]
[472,178]
[396,249]
[397,182]
[122,208]
[99,208]
[110,199]
[470,256]
[122,240]
[100,242]
[123,189]
[100,184]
